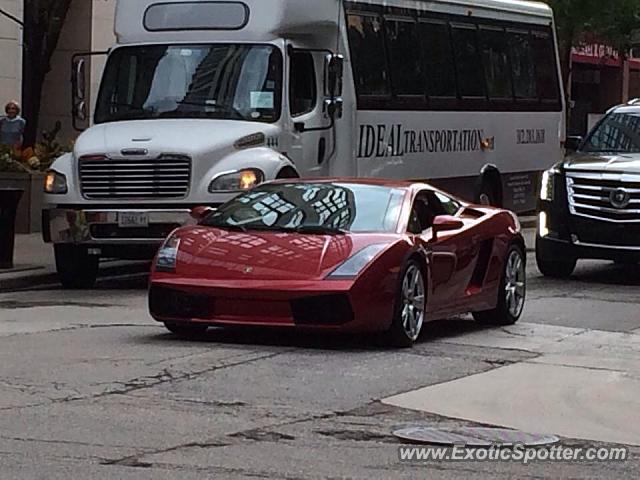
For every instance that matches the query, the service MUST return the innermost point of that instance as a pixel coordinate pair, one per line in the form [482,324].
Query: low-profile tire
[555,268]
[188,330]
[512,293]
[410,307]
[76,268]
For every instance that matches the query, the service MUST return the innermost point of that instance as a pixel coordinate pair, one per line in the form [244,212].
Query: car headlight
[547,188]
[237,181]
[55,183]
[168,254]
[355,264]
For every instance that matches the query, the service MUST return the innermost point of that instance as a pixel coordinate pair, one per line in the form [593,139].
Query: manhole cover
[474,437]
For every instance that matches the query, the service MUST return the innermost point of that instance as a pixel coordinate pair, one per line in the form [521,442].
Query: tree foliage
[43,22]
[615,22]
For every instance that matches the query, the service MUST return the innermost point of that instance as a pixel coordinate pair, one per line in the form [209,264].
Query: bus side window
[366,38]
[496,62]
[303,89]
[545,61]
[468,64]
[522,67]
[436,45]
[407,71]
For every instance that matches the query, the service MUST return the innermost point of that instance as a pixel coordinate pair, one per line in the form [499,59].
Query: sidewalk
[35,263]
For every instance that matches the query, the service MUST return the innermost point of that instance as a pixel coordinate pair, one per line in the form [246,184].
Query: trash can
[9,198]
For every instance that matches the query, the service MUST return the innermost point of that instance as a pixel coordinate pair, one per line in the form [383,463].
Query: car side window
[449,205]
[426,207]
[302,85]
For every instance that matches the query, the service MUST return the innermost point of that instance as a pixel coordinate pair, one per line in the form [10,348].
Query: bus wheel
[489,189]
[76,268]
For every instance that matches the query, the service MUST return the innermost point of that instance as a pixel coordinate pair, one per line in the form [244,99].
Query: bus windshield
[234,82]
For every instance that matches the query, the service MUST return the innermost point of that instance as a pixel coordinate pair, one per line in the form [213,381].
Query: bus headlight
[237,181]
[55,183]
[547,188]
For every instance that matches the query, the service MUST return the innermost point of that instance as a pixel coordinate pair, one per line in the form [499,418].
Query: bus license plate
[133,219]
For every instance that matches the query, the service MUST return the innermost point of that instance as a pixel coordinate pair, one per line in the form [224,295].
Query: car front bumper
[101,226]
[564,236]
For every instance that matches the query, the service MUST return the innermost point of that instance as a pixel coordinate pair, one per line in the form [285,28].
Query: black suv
[590,203]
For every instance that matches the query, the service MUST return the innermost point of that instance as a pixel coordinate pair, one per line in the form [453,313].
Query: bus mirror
[334,107]
[334,71]
[79,89]
[78,79]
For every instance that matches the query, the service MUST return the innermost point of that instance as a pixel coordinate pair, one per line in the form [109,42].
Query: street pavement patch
[584,385]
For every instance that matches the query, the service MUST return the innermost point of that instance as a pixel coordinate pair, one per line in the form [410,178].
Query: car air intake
[176,304]
[322,310]
[168,176]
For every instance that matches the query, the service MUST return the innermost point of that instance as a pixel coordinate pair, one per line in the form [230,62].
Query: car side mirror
[200,212]
[446,223]
[572,143]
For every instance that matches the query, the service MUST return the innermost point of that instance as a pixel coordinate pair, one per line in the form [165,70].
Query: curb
[27,282]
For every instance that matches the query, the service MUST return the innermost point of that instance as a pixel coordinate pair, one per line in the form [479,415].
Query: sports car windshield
[223,81]
[322,208]
[617,133]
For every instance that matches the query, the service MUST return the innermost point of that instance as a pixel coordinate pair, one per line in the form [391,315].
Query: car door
[452,254]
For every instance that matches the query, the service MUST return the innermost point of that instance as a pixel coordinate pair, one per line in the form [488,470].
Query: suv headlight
[168,254]
[55,183]
[352,267]
[237,181]
[547,188]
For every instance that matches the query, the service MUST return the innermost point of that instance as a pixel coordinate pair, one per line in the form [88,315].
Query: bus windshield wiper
[216,106]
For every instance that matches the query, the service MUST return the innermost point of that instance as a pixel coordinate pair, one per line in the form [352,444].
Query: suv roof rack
[634,101]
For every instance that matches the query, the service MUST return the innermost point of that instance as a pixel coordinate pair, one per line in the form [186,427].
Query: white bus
[201,99]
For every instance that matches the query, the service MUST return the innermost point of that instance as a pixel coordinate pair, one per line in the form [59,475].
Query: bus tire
[76,268]
[489,188]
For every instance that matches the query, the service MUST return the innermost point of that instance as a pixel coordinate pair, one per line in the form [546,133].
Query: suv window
[303,89]
[617,133]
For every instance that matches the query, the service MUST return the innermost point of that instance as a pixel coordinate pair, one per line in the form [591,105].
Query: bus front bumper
[112,226]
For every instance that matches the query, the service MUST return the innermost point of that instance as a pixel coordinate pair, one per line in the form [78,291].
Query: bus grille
[168,176]
[609,197]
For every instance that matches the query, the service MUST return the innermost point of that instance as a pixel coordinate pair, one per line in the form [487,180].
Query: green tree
[43,22]
[615,22]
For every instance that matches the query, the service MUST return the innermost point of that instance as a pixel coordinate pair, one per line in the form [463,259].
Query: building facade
[88,27]
[10,52]
[601,78]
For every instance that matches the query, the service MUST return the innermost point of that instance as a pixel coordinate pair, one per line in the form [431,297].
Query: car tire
[555,268]
[512,293]
[76,268]
[410,307]
[188,330]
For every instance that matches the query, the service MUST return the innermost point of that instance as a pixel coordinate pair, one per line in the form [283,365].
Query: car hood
[628,163]
[211,253]
[152,138]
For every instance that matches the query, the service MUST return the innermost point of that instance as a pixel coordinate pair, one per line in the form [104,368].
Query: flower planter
[29,216]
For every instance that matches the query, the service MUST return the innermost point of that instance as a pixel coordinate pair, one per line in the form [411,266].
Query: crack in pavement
[147,382]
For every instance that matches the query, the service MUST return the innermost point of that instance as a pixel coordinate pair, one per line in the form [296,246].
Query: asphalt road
[92,388]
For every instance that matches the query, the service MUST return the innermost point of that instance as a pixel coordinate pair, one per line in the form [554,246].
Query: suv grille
[168,176]
[611,197]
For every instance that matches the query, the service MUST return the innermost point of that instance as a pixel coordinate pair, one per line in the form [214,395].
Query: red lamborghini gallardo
[352,255]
